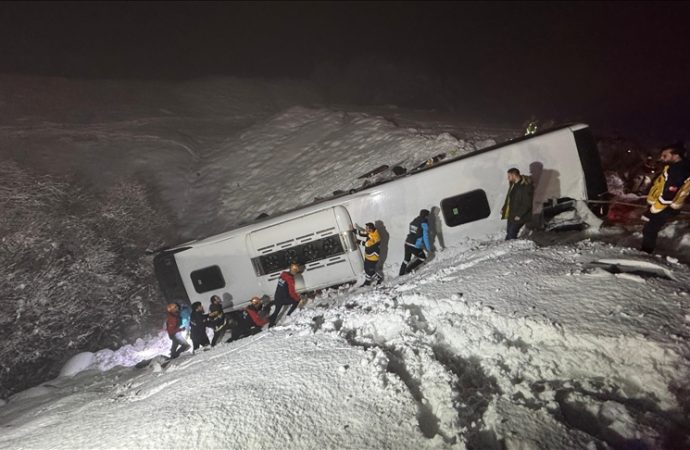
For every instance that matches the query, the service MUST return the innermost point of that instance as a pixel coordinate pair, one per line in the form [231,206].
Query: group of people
[240,324]
[666,197]
[517,210]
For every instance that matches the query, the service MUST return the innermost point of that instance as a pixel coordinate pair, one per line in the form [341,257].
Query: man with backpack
[172,325]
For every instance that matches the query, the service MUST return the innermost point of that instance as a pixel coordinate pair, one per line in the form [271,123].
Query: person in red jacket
[286,294]
[172,325]
[253,318]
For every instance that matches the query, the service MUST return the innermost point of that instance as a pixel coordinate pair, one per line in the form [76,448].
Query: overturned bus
[466,194]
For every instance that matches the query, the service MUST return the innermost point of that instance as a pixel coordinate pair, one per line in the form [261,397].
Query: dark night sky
[622,64]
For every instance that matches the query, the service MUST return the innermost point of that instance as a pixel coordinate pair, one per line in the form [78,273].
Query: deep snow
[491,345]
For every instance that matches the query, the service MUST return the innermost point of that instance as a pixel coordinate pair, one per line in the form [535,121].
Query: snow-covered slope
[491,345]
[219,151]
[498,345]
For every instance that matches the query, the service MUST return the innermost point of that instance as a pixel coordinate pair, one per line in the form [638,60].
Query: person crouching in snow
[198,323]
[253,318]
[286,294]
[372,247]
[172,325]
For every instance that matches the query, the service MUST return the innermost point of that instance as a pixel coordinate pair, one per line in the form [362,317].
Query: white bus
[466,195]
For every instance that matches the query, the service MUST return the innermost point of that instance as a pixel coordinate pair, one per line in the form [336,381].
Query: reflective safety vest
[675,195]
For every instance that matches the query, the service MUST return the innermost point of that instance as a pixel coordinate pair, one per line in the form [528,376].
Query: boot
[416,263]
[403,269]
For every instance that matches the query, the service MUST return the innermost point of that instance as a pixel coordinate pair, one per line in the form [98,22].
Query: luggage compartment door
[324,240]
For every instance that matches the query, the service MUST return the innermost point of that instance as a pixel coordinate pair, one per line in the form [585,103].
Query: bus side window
[465,208]
[207,279]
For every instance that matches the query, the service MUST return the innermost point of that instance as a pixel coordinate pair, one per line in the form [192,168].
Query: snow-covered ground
[492,345]
[495,345]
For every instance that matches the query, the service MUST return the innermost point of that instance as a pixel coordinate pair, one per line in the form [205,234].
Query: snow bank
[78,363]
[505,345]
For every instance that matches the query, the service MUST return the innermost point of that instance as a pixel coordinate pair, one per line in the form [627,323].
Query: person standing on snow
[286,294]
[668,193]
[198,324]
[372,247]
[517,208]
[217,317]
[417,240]
[172,325]
[253,318]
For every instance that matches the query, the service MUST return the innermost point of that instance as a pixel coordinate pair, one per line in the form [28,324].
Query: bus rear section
[323,240]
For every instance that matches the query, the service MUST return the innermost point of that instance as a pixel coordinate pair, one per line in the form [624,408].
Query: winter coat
[670,188]
[216,315]
[372,245]
[256,317]
[172,324]
[285,291]
[419,233]
[518,201]
[198,321]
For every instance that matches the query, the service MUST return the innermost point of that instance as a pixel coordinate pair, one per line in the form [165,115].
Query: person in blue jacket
[416,243]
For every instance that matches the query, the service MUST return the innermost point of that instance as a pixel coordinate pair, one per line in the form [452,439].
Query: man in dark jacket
[286,294]
[198,323]
[668,193]
[417,240]
[517,208]
[172,326]
[217,317]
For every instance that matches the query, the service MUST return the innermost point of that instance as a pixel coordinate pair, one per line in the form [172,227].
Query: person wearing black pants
[653,226]
[217,318]
[417,240]
[286,294]
[372,247]
[198,324]
[667,194]
[517,208]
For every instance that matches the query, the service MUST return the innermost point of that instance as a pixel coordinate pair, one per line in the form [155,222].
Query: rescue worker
[172,325]
[372,247]
[667,194]
[416,242]
[198,323]
[517,208]
[286,294]
[253,318]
